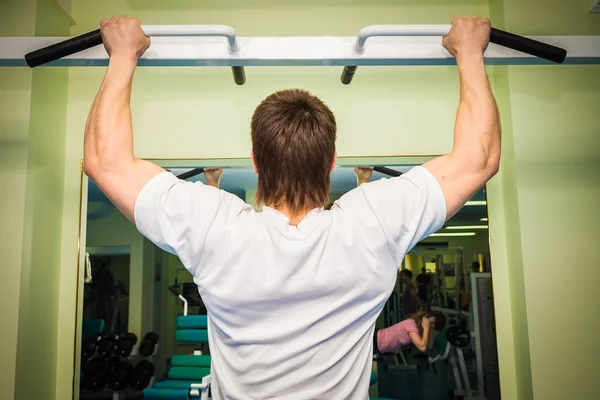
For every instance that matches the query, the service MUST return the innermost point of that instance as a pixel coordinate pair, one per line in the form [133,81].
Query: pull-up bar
[94,38]
[188,45]
[502,38]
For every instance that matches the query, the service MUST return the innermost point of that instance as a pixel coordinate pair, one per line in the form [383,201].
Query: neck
[294,216]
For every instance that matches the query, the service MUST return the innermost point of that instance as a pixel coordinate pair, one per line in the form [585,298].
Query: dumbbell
[89,346]
[95,374]
[124,345]
[141,375]
[458,336]
[120,374]
[106,348]
[148,344]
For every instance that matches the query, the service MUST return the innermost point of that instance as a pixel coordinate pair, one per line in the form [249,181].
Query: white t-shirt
[291,309]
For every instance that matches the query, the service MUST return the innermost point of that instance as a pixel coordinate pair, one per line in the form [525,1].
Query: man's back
[292,308]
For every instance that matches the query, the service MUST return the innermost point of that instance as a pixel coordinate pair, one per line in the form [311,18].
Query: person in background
[423,285]
[415,330]
[363,175]
[410,299]
[213,176]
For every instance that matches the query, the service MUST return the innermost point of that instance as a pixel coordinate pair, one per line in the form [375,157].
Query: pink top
[389,339]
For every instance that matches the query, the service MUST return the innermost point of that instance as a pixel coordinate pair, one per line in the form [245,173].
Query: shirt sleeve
[407,208]
[180,216]
[411,326]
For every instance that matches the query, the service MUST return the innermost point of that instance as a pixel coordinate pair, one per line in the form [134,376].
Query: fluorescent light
[467,227]
[484,220]
[454,234]
[476,203]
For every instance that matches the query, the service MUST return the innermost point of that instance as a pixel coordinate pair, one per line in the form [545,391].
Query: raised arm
[108,143]
[363,175]
[213,176]
[421,342]
[475,157]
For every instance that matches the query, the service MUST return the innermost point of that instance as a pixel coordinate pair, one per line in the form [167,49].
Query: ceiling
[240,179]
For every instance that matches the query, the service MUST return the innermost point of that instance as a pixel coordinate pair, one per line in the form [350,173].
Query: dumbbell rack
[134,357]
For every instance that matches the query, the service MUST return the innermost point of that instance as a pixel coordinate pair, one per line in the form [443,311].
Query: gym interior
[505,270]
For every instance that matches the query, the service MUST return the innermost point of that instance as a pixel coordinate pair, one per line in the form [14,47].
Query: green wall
[17,18]
[549,190]
[32,125]
[40,275]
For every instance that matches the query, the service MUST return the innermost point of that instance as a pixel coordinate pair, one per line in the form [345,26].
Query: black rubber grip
[529,46]
[191,173]
[348,74]
[62,49]
[239,75]
[387,171]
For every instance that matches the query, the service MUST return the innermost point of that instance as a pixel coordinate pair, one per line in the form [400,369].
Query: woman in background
[415,330]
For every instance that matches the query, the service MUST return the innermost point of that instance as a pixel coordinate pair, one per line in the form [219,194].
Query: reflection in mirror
[145,326]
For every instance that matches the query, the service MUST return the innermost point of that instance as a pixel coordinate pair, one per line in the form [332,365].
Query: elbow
[90,168]
[422,347]
[493,166]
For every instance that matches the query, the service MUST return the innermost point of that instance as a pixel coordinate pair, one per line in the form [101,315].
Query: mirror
[134,294]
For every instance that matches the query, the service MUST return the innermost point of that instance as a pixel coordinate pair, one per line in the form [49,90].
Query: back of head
[293,145]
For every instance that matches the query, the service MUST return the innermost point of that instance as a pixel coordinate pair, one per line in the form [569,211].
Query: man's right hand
[124,38]
[468,36]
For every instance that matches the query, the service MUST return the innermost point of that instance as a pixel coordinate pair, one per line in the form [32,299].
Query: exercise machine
[188,376]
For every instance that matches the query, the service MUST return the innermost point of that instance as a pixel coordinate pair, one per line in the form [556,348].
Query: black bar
[529,46]
[239,75]
[348,74]
[387,171]
[62,49]
[173,290]
[189,174]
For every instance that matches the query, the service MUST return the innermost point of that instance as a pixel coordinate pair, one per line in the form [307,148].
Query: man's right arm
[475,157]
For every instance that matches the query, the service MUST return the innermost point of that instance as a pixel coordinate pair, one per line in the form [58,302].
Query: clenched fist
[123,37]
[363,174]
[468,36]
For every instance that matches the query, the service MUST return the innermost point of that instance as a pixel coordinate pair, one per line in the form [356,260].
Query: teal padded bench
[184,370]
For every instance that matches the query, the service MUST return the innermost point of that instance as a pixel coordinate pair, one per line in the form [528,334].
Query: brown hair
[293,143]
[424,312]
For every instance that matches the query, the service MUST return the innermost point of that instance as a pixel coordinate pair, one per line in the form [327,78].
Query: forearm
[477,130]
[425,340]
[213,183]
[108,141]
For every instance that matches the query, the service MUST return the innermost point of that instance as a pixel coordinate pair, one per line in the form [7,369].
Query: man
[410,300]
[292,292]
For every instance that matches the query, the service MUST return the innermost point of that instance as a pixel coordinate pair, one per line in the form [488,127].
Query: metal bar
[300,51]
[397,30]
[195,31]
[523,44]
